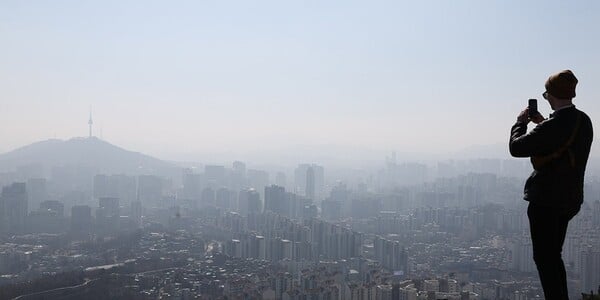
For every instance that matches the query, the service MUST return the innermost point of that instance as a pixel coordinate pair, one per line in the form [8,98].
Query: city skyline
[298,150]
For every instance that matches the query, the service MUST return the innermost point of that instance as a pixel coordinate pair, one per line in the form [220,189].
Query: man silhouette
[559,148]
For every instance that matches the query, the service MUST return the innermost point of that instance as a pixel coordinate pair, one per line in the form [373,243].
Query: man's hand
[537,119]
[524,117]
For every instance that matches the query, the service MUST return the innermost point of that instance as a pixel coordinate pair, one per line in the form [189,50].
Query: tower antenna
[90,122]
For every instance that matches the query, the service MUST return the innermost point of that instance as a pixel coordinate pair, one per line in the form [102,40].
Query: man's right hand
[523,116]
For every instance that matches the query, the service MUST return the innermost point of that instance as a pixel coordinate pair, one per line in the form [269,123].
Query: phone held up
[532,108]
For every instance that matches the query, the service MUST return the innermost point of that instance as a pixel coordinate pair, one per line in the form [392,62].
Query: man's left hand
[538,118]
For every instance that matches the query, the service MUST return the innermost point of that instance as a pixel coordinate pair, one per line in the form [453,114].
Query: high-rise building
[101,188]
[233,248]
[310,211]
[116,186]
[333,241]
[214,176]
[310,183]
[126,187]
[331,210]
[339,193]
[81,219]
[136,213]
[13,208]
[54,206]
[36,192]
[225,198]
[287,249]
[238,176]
[149,189]
[249,202]
[295,205]
[110,205]
[239,167]
[261,247]
[300,180]
[596,213]
[242,202]
[45,221]
[590,269]
[192,186]
[384,292]
[337,200]
[391,255]
[258,180]
[208,196]
[275,199]
[108,214]
[255,205]
[522,258]
[280,179]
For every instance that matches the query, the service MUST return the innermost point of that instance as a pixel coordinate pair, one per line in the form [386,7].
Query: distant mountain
[89,152]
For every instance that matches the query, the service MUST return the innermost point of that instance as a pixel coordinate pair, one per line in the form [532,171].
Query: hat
[562,85]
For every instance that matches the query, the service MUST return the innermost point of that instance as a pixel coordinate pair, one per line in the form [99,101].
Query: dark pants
[548,230]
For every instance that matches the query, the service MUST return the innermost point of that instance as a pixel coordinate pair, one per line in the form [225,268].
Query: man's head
[560,88]
[562,85]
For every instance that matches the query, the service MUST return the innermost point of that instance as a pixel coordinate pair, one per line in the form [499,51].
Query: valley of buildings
[230,232]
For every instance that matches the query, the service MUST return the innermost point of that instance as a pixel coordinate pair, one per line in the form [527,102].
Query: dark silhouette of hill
[89,152]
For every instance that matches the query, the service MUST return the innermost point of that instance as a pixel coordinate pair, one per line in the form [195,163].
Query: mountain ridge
[84,151]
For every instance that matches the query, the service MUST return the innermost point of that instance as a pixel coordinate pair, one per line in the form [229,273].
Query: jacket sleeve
[516,147]
[539,141]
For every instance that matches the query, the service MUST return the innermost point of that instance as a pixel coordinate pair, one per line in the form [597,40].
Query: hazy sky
[168,77]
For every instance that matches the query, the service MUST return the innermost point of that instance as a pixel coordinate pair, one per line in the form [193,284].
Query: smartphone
[533,110]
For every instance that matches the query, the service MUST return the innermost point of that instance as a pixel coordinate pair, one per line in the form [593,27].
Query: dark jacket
[558,183]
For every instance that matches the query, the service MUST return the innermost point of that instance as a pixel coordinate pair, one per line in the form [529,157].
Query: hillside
[88,152]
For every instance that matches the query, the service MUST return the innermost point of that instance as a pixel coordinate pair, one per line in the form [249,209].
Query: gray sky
[173,77]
